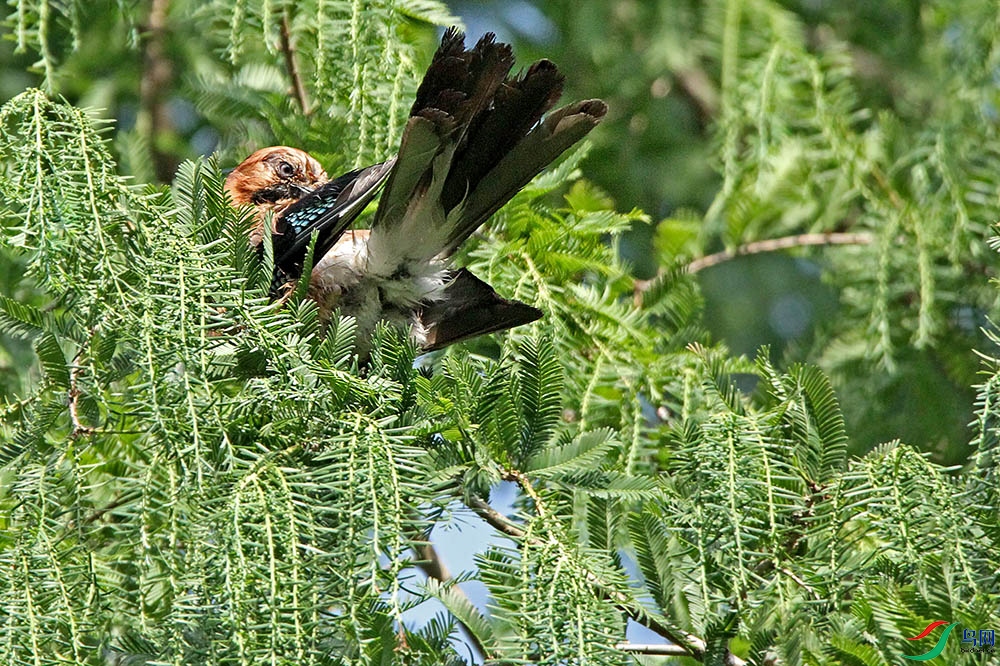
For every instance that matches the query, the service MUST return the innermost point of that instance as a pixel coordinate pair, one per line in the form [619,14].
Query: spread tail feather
[547,141]
[475,136]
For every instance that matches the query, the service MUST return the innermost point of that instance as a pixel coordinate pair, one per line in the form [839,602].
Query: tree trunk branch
[430,562]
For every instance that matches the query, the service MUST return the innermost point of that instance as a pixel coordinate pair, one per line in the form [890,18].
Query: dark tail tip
[453,37]
[595,108]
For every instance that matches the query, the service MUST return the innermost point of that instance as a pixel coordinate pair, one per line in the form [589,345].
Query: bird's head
[276,175]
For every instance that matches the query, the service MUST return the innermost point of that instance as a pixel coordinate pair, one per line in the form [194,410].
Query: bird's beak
[302,189]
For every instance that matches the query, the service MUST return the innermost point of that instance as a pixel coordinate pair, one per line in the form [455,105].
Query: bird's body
[351,277]
[475,136]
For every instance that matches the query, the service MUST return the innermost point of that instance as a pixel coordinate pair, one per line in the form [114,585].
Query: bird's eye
[286,170]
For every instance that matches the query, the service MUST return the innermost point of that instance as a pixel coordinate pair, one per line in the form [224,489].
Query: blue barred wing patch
[328,210]
[311,209]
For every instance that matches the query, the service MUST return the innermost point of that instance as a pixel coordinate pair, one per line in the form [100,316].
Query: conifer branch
[227,419]
[690,644]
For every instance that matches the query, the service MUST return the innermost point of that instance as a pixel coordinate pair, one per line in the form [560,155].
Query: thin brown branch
[791,574]
[696,84]
[430,562]
[759,247]
[494,518]
[79,430]
[890,191]
[525,483]
[100,513]
[153,119]
[292,65]
[653,648]
[784,243]
[690,644]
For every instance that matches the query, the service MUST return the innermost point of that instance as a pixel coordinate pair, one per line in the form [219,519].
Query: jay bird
[474,137]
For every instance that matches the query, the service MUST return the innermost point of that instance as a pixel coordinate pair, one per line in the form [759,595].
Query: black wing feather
[329,210]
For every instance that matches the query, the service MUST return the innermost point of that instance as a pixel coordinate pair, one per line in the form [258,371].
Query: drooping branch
[688,644]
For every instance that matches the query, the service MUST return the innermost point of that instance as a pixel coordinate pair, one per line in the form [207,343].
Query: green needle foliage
[190,474]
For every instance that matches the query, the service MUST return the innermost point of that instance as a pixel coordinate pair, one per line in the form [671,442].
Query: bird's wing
[472,140]
[470,307]
[328,210]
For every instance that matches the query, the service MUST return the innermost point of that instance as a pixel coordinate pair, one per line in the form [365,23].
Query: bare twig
[430,562]
[690,644]
[292,65]
[653,648]
[784,243]
[79,430]
[759,247]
